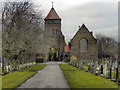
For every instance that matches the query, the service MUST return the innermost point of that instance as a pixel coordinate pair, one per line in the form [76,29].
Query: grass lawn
[34,68]
[38,63]
[0,69]
[67,62]
[80,79]
[66,67]
[16,78]
[0,82]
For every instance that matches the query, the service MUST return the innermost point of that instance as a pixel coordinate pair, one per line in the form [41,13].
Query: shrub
[5,72]
[118,79]
[67,59]
[15,69]
[39,60]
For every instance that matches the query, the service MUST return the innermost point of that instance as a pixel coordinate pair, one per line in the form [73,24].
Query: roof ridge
[83,26]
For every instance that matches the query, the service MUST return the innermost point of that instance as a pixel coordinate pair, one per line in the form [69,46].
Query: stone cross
[52,4]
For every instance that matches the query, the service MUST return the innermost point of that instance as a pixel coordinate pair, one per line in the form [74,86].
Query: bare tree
[21,27]
[107,46]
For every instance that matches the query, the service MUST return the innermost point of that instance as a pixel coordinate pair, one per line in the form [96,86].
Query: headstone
[75,64]
[116,73]
[101,69]
[89,67]
[78,64]
[105,65]
[7,68]
[110,72]
[72,63]
[3,64]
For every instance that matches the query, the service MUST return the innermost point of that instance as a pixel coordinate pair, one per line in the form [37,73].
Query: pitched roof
[52,14]
[83,26]
[67,48]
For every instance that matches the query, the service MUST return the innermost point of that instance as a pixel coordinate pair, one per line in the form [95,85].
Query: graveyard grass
[14,79]
[34,68]
[80,79]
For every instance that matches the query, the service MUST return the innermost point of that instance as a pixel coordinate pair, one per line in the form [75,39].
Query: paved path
[50,77]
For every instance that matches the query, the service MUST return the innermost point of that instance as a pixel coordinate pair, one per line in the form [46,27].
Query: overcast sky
[100,16]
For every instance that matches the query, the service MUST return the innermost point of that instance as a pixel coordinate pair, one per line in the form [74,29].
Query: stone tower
[53,37]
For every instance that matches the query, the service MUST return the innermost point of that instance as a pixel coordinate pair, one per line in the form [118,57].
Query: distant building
[83,45]
[67,53]
[67,49]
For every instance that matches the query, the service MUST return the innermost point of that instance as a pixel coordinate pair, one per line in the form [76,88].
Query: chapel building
[83,46]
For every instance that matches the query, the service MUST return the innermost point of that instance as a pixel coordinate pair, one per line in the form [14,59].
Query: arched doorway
[53,55]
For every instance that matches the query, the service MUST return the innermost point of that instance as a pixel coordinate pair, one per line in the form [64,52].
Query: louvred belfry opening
[52,14]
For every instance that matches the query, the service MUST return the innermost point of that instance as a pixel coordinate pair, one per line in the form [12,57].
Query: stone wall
[53,37]
[92,52]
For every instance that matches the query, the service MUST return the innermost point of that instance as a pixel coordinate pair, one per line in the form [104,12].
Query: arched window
[83,45]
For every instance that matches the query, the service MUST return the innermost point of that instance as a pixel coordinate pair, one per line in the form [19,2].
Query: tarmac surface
[50,77]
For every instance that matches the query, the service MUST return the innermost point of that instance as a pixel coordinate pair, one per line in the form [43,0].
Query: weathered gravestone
[105,67]
[116,72]
[101,68]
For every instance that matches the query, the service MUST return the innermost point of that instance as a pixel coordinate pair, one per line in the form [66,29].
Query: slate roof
[52,14]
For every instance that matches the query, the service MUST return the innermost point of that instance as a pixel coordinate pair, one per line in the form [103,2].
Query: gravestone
[116,72]
[110,72]
[89,67]
[104,66]
[101,69]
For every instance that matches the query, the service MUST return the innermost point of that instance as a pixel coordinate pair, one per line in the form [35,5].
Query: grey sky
[100,16]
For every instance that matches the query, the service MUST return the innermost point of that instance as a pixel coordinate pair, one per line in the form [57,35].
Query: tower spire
[52,4]
[52,14]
